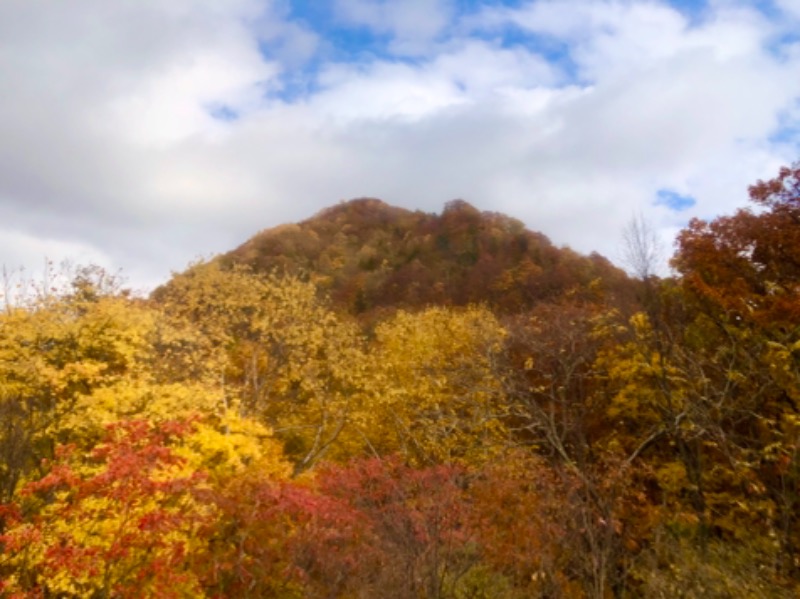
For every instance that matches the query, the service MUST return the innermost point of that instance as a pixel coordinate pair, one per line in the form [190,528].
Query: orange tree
[741,274]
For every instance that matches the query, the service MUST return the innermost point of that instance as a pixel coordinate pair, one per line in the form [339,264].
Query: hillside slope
[369,256]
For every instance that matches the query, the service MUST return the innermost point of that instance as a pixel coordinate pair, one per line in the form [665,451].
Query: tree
[641,248]
[746,267]
[742,275]
[420,524]
[287,359]
[84,354]
[560,397]
[123,521]
[435,395]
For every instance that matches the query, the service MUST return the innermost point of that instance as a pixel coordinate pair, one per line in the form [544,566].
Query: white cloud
[790,7]
[413,24]
[108,149]
[26,256]
[175,103]
[470,73]
[666,97]
[609,38]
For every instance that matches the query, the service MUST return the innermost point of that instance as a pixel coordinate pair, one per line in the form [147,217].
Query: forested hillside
[368,255]
[384,403]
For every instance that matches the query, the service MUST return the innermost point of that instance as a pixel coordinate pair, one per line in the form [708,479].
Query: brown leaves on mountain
[370,256]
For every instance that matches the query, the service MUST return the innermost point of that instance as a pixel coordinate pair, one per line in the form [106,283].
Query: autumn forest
[377,403]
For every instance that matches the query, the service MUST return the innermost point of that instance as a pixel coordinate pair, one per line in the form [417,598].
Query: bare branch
[642,250]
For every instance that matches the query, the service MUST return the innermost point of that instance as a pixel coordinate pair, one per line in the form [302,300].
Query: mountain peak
[369,255]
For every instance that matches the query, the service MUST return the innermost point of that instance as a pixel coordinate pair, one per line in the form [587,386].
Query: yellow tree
[57,349]
[85,355]
[435,394]
[121,521]
[131,516]
[289,360]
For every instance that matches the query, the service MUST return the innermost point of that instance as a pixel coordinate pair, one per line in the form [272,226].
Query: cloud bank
[140,135]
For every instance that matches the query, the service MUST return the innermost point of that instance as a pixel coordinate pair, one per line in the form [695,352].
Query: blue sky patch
[779,45]
[787,134]
[222,112]
[555,51]
[788,129]
[344,42]
[673,200]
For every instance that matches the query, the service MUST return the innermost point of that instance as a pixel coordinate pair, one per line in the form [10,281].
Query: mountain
[370,256]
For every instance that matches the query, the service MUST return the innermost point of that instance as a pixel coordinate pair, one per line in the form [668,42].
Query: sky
[140,135]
